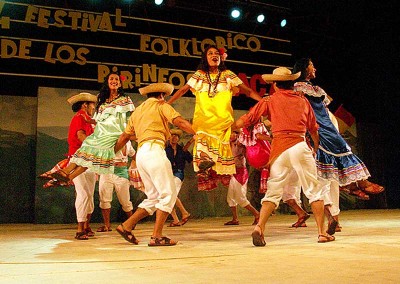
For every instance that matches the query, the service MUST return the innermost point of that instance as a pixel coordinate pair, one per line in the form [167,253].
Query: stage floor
[366,251]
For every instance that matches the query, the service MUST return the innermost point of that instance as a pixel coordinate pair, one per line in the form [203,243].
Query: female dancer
[213,85]
[97,151]
[337,165]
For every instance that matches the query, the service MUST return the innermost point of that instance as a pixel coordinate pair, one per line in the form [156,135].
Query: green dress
[97,150]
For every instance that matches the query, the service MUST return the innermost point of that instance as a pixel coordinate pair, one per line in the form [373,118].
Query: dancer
[178,156]
[337,165]
[237,188]
[291,158]
[79,129]
[118,181]
[97,152]
[149,125]
[213,85]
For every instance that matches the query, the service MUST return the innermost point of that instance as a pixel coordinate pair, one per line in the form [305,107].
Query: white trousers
[331,197]
[84,188]
[156,173]
[178,184]
[107,184]
[292,190]
[299,161]
[237,193]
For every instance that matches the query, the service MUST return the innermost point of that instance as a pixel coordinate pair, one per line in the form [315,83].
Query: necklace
[213,83]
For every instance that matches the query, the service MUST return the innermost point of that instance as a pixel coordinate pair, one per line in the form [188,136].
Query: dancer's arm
[183,90]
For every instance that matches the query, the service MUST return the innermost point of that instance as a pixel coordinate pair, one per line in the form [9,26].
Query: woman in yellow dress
[213,86]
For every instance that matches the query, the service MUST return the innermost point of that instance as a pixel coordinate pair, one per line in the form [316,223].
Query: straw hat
[82,97]
[176,132]
[280,74]
[157,88]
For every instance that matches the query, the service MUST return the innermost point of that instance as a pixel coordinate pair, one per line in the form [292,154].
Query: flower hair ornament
[222,53]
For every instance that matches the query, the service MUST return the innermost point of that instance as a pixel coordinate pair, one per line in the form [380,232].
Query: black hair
[301,65]
[104,93]
[154,94]
[77,106]
[204,63]
[285,85]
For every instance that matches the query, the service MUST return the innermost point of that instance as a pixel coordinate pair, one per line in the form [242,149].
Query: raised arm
[249,92]
[183,90]
[183,124]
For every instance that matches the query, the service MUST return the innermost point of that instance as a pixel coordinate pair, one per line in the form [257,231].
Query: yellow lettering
[31,13]
[58,18]
[127,83]
[236,38]
[105,23]
[220,41]
[229,40]
[256,42]
[161,75]
[44,15]
[49,51]
[81,60]
[177,76]
[94,21]
[206,42]
[183,44]
[8,48]
[24,49]
[69,51]
[102,72]
[149,72]
[144,39]
[160,42]
[171,48]
[137,77]
[118,18]
[194,47]
[74,19]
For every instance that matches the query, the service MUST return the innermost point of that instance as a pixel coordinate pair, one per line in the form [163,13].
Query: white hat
[157,88]
[82,97]
[280,74]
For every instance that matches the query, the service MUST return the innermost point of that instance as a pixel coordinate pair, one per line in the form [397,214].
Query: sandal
[325,239]
[232,223]
[163,241]
[184,220]
[61,176]
[205,163]
[103,229]
[332,227]
[173,224]
[128,236]
[301,222]
[81,236]
[360,194]
[372,188]
[258,238]
[89,232]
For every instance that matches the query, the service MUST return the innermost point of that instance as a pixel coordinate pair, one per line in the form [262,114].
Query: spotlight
[260,18]
[283,23]
[235,13]
[158,2]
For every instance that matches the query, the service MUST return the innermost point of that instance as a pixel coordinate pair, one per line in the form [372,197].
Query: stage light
[283,23]
[260,18]
[158,2]
[235,13]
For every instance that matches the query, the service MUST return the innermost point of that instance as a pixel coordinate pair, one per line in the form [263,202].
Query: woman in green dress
[113,109]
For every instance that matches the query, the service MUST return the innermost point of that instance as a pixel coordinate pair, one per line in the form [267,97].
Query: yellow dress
[213,118]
